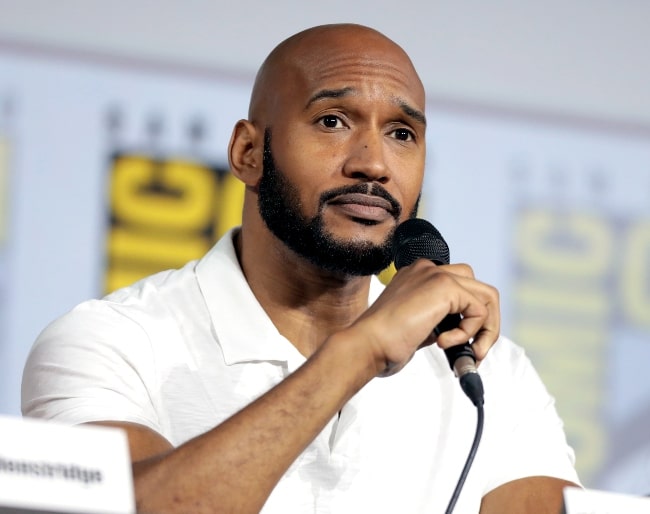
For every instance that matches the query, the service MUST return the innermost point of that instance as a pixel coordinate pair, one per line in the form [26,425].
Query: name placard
[589,501]
[49,467]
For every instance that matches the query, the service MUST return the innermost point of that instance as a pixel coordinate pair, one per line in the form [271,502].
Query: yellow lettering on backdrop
[563,304]
[580,404]
[165,214]
[136,254]
[636,275]
[161,250]
[587,251]
[583,301]
[171,195]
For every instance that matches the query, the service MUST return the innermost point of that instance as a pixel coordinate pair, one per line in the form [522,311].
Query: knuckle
[442,279]
[464,269]
[494,293]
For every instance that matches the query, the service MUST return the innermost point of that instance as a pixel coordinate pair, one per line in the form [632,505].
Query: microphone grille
[418,239]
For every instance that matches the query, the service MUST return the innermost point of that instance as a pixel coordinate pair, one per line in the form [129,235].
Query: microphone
[418,239]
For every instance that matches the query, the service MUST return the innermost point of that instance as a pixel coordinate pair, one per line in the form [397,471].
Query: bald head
[334,148]
[324,53]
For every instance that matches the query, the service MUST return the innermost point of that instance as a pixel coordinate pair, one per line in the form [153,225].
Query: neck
[304,302]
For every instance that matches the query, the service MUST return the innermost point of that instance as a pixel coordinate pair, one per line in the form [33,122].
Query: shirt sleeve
[92,364]
[528,432]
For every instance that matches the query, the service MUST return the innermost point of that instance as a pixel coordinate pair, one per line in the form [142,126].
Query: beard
[280,208]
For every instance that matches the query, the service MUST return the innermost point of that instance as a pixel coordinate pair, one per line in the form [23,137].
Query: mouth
[364,207]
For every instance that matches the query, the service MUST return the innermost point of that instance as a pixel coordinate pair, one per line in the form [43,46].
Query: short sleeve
[92,364]
[527,430]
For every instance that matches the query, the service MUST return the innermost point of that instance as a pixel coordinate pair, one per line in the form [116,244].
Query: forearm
[531,495]
[235,466]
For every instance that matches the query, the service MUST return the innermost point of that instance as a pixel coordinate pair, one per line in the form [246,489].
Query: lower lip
[359,211]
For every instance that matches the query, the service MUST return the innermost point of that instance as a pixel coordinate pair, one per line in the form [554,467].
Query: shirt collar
[241,326]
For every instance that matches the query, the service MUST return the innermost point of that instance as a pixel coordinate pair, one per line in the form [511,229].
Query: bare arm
[234,467]
[532,495]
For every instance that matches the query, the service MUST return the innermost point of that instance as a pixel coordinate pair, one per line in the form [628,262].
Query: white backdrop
[555,215]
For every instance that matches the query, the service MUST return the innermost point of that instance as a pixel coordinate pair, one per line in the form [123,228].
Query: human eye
[403,134]
[330,121]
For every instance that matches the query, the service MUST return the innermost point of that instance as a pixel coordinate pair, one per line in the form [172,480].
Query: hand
[419,296]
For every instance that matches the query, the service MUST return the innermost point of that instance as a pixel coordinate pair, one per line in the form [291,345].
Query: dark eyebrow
[413,113]
[329,93]
[338,93]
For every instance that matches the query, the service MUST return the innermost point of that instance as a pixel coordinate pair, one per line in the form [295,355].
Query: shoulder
[153,290]
[123,322]
[155,307]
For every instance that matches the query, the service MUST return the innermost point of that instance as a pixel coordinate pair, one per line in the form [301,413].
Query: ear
[245,153]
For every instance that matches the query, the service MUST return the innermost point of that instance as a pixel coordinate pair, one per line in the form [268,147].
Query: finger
[482,343]
[473,318]
[458,269]
[480,321]
[489,333]
[483,326]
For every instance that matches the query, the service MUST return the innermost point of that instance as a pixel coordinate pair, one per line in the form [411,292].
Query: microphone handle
[462,361]
[456,352]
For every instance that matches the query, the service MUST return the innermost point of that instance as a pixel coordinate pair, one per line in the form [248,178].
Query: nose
[366,159]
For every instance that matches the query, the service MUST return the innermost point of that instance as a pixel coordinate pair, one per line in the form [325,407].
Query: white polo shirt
[183,350]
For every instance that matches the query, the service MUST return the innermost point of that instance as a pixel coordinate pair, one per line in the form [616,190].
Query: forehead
[363,62]
[363,74]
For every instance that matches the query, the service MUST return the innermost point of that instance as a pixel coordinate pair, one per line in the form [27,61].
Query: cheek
[309,163]
[407,181]
[304,177]
[313,156]
[411,204]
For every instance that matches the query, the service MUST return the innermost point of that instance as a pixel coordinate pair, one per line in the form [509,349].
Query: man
[258,377]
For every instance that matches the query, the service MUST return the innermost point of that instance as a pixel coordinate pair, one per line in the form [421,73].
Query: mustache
[372,189]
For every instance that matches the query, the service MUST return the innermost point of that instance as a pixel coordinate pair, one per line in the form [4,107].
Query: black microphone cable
[470,459]
[418,239]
